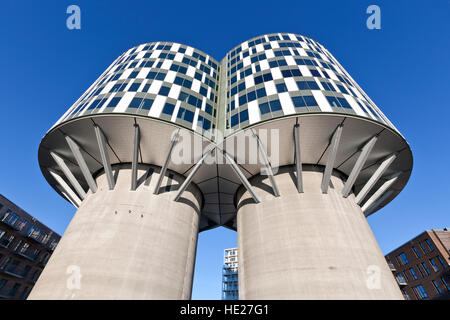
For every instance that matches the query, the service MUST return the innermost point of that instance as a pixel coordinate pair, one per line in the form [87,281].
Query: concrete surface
[308,245]
[124,244]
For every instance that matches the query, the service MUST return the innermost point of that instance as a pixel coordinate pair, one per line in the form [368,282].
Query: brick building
[421,266]
[25,247]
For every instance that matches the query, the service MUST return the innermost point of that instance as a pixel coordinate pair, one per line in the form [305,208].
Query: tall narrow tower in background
[328,157]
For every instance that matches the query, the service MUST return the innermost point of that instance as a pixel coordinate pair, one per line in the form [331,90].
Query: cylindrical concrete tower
[276,141]
[334,159]
[111,156]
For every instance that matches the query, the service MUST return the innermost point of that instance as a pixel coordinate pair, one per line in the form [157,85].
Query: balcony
[15,224]
[39,238]
[15,271]
[4,243]
[27,254]
[401,282]
[391,266]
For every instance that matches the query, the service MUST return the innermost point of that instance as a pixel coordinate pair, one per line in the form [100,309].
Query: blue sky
[403,67]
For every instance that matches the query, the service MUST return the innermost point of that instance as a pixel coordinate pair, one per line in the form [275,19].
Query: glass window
[406,295]
[2,283]
[436,285]
[275,105]
[400,278]
[430,244]
[423,248]
[445,283]
[403,258]
[281,87]
[444,265]
[135,103]
[423,294]
[426,268]
[416,252]
[164,91]
[243,115]
[434,265]
[168,108]
[189,116]
[421,271]
[114,102]
[310,101]
[134,87]
[298,102]
[235,120]
[411,270]
[264,107]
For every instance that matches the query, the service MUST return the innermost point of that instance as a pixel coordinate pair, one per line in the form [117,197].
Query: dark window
[426,268]
[423,248]
[434,265]
[134,87]
[267,77]
[264,108]
[208,108]
[168,108]
[411,270]
[430,244]
[243,115]
[242,99]
[146,104]
[275,105]
[302,85]
[206,124]
[281,87]
[298,102]
[420,289]
[436,285]
[251,96]
[445,283]
[261,92]
[416,252]
[403,258]
[258,80]
[444,265]
[133,74]
[164,91]
[189,116]
[114,102]
[235,120]
[313,85]
[310,101]
[135,103]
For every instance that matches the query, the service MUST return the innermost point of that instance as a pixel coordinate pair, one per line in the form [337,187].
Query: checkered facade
[267,77]
[282,74]
[164,80]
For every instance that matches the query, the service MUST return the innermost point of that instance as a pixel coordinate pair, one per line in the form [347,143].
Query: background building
[338,160]
[230,275]
[421,266]
[25,247]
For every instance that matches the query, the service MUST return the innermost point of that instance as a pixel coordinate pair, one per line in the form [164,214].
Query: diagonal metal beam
[134,163]
[298,159]
[65,188]
[358,166]
[191,175]
[82,164]
[377,194]
[241,176]
[166,163]
[267,165]
[380,200]
[375,177]
[101,140]
[331,157]
[69,175]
